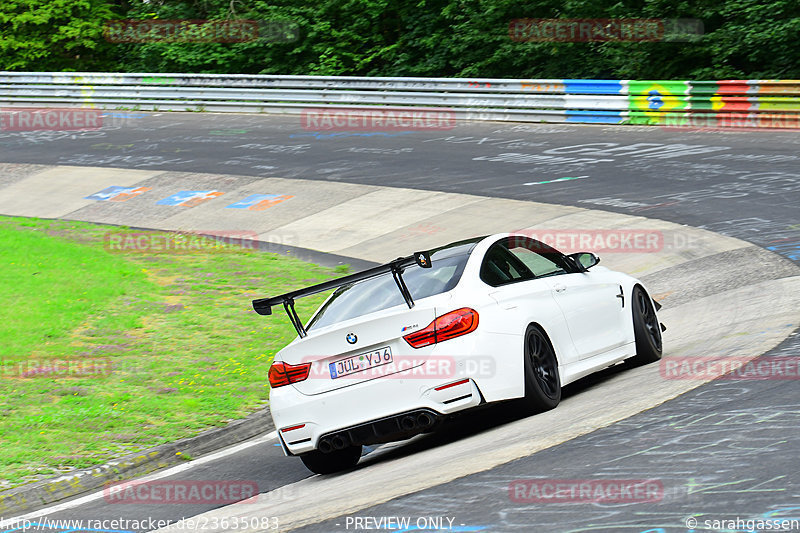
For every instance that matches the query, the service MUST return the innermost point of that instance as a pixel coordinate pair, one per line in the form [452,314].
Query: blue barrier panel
[593,86]
[596,117]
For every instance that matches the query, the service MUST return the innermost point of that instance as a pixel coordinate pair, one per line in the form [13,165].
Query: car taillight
[448,326]
[281,374]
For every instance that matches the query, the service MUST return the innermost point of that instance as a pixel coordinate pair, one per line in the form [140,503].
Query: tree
[54,35]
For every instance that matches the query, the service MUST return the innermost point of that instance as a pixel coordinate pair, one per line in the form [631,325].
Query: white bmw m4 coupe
[397,348]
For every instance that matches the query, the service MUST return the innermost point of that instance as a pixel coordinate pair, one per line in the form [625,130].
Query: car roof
[445,251]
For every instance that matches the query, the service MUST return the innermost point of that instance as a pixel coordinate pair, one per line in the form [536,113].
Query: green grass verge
[106,353]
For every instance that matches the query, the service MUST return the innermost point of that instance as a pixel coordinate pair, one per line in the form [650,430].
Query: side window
[501,267]
[539,258]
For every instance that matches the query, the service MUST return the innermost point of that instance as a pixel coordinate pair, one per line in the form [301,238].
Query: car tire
[335,461]
[542,382]
[646,329]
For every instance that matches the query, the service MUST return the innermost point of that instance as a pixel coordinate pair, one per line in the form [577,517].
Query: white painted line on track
[152,477]
[555,180]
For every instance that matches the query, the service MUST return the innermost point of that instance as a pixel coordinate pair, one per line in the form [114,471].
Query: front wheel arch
[646,328]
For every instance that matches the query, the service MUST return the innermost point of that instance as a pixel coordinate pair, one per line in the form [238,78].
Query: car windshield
[376,294]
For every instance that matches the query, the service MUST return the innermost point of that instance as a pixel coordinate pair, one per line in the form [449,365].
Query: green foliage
[463,38]
[57,35]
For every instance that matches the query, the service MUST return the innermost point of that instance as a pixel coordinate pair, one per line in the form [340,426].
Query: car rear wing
[263,306]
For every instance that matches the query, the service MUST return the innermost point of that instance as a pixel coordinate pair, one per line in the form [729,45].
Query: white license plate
[360,362]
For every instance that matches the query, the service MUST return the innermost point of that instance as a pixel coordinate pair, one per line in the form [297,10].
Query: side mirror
[584,260]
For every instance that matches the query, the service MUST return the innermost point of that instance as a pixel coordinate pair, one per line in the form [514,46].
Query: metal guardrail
[758,103]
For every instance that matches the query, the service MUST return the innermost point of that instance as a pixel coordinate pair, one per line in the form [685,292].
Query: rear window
[377,294]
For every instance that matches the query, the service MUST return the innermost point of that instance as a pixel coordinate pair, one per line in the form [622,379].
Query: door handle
[558,287]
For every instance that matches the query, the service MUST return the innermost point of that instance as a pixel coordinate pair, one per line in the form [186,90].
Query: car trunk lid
[360,350]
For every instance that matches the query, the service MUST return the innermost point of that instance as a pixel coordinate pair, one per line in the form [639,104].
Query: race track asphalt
[726,450]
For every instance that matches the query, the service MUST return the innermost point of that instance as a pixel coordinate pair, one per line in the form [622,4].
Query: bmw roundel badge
[351,338]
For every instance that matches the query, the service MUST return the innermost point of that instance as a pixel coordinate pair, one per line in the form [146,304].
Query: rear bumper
[397,427]
[369,412]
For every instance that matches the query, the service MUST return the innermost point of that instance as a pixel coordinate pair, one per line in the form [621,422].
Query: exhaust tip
[338,442]
[408,422]
[424,420]
[325,446]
